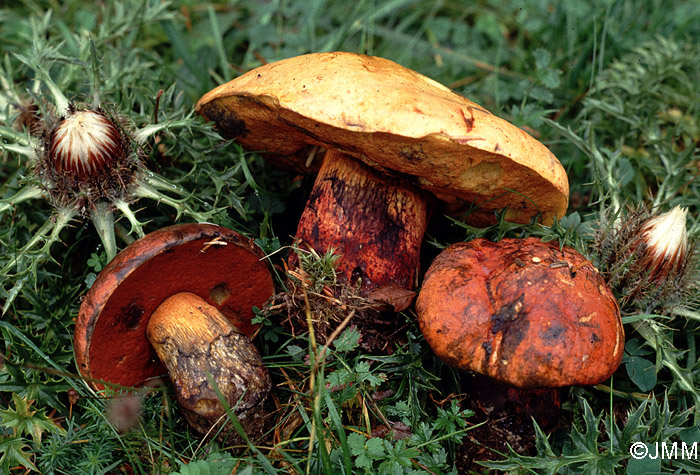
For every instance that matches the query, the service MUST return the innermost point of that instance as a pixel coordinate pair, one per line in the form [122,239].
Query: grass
[611,86]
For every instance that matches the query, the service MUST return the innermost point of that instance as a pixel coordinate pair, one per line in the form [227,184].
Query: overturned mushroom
[190,289]
[394,139]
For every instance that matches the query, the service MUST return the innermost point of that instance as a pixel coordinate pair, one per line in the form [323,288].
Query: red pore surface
[215,263]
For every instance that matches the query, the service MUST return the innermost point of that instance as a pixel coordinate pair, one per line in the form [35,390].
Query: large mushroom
[180,302]
[525,319]
[393,140]
[523,312]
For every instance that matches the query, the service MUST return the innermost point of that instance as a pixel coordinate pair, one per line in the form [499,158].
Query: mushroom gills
[197,345]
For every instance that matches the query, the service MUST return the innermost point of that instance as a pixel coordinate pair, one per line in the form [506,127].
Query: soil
[379,325]
[508,413]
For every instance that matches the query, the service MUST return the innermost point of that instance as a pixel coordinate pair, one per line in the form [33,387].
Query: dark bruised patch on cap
[226,120]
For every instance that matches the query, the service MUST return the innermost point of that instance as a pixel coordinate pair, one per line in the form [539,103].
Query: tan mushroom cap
[392,118]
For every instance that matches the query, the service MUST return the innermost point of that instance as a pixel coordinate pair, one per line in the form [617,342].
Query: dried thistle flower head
[86,161]
[87,157]
[85,142]
[665,243]
[647,258]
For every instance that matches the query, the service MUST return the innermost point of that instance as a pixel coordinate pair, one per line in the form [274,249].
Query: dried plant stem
[331,338]
[312,378]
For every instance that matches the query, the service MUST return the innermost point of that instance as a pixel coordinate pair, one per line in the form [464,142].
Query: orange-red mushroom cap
[219,265]
[523,312]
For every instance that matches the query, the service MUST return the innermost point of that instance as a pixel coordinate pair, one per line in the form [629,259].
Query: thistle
[646,257]
[664,244]
[87,161]
[85,158]
[84,143]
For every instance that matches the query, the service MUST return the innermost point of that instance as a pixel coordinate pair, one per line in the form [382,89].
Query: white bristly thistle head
[665,242]
[87,156]
[84,143]
[647,258]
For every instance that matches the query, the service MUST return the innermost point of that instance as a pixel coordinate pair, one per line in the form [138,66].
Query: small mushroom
[190,289]
[522,312]
[394,139]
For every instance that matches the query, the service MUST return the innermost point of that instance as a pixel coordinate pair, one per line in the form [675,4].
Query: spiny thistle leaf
[15,451]
[24,421]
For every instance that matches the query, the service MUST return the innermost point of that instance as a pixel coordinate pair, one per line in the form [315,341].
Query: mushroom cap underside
[393,119]
[523,312]
[219,265]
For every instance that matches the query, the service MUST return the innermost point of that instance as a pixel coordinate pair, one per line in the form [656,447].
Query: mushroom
[525,318]
[522,312]
[393,140]
[180,302]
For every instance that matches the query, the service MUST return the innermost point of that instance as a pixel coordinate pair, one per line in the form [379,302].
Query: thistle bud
[665,243]
[647,259]
[86,157]
[84,143]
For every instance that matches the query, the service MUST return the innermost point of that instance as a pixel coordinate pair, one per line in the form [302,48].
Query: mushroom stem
[374,222]
[514,406]
[197,344]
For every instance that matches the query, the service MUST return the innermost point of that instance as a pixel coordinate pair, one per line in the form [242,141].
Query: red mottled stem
[375,223]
